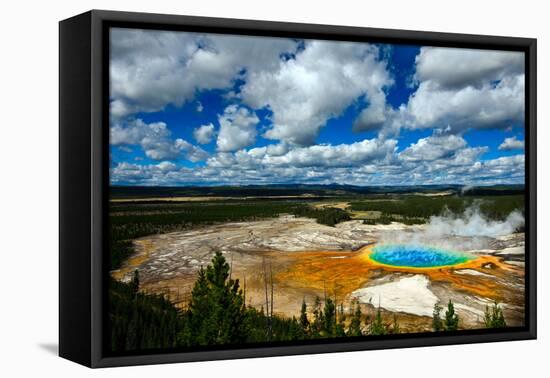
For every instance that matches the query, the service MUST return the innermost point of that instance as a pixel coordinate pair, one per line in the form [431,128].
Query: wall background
[29,190]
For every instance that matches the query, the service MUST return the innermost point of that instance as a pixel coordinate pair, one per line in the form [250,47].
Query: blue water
[417,256]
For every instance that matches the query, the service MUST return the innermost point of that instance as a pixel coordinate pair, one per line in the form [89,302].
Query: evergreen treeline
[412,208]
[217,314]
[140,321]
[494,317]
[388,219]
[449,322]
[328,216]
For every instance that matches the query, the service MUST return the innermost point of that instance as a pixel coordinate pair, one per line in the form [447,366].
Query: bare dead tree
[266,301]
[231,267]
[265,286]
[271,313]
[335,303]
[244,291]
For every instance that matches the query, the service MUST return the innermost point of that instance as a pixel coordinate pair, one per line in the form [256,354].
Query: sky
[211,109]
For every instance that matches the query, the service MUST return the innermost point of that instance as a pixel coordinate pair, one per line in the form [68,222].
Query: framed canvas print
[234,188]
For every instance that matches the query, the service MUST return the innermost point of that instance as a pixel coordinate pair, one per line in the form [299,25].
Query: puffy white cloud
[136,131]
[303,85]
[166,166]
[490,106]
[512,143]
[152,174]
[191,152]
[506,169]
[458,68]
[343,155]
[319,83]
[433,148]
[204,134]
[250,167]
[277,149]
[316,156]
[150,69]
[464,89]
[437,159]
[237,128]
[154,139]
[372,117]
[457,89]
[147,70]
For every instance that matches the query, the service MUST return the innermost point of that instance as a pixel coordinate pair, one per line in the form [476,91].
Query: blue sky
[205,109]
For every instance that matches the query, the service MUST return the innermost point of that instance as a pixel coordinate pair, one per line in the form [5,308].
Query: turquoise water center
[417,256]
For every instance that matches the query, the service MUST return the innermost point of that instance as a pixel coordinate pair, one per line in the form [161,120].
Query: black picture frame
[84,182]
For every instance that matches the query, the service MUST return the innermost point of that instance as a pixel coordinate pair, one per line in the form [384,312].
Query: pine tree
[377,326]
[196,333]
[355,324]
[134,284]
[295,330]
[340,329]
[329,318]
[139,321]
[437,323]
[304,322]
[318,321]
[451,318]
[494,318]
[216,311]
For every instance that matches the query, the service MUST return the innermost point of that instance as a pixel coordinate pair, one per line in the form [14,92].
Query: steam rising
[473,223]
[465,232]
[466,188]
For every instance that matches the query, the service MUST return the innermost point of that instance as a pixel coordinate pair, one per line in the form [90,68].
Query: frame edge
[75,276]
[99,17]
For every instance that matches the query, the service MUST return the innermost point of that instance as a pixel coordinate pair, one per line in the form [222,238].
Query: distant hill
[329,190]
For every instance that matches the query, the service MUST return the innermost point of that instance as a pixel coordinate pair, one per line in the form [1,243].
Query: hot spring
[417,256]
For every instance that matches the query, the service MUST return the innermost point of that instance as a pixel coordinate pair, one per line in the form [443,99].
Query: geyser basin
[417,256]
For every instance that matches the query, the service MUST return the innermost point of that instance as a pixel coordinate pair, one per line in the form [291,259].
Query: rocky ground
[308,259]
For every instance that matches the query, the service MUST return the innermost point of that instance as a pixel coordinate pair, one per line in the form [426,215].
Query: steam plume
[468,231]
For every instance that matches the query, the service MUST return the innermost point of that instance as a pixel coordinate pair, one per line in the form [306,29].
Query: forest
[422,207]
[217,315]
